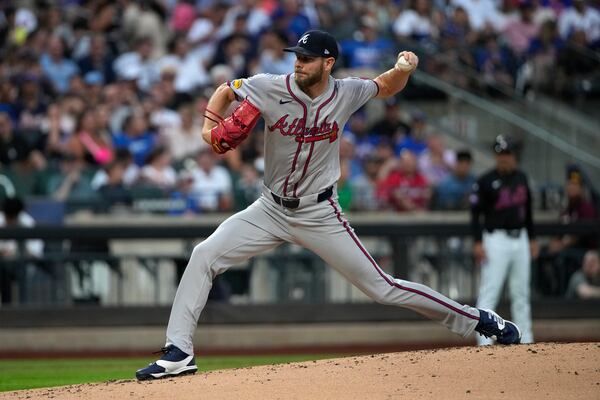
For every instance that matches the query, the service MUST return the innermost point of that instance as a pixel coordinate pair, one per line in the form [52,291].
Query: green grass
[28,374]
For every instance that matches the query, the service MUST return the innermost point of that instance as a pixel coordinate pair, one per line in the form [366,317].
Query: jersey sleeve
[357,91]
[252,88]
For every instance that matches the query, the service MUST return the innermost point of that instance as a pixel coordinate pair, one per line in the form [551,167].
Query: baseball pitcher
[304,114]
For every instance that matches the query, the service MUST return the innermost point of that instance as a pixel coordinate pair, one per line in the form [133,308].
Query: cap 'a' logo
[237,83]
[326,51]
[304,39]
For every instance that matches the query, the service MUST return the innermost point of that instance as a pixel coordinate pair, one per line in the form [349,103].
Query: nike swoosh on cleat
[284,102]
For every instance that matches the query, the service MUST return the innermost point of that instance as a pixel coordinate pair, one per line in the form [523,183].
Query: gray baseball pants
[320,227]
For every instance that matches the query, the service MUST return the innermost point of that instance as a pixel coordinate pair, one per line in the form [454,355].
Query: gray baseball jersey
[302,134]
[301,161]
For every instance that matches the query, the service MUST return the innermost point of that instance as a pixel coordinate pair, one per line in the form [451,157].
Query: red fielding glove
[233,130]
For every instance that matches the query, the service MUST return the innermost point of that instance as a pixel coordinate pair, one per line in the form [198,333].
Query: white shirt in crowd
[190,71]
[164,178]
[183,144]
[589,22]
[410,23]
[481,13]
[209,187]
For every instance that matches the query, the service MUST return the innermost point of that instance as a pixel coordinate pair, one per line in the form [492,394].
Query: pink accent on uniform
[508,198]
[384,276]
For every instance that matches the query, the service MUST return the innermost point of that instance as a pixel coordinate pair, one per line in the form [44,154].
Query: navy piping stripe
[289,89]
[382,274]
[312,146]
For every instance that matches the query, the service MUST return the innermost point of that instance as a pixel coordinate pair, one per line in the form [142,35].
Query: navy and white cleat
[174,362]
[492,326]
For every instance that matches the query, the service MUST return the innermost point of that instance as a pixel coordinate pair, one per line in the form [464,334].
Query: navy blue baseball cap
[316,44]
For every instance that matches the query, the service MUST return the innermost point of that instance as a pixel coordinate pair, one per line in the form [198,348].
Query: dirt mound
[548,371]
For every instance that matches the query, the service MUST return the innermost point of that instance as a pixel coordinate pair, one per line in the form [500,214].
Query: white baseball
[403,65]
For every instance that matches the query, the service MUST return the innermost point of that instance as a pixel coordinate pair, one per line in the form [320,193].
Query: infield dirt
[540,371]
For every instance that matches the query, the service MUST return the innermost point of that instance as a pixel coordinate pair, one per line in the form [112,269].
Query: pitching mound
[541,371]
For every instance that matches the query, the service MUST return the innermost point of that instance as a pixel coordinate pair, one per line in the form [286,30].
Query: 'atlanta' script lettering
[326,130]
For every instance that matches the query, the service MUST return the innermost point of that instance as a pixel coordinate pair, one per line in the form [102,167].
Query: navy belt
[294,202]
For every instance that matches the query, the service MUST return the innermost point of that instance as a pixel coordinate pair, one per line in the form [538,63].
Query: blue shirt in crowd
[60,73]
[139,146]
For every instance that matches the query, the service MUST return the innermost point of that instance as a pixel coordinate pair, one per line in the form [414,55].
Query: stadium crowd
[101,103]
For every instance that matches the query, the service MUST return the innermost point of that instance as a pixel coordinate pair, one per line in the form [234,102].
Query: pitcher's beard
[306,81]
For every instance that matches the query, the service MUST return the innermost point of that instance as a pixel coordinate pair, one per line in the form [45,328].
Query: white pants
[319,227]
[507,257]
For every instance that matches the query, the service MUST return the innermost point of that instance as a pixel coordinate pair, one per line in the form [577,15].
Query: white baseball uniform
[302,167]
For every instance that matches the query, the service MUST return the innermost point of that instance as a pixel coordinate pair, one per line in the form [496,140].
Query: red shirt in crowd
[398,185]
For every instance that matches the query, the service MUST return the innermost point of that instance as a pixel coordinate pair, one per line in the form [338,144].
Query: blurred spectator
[257,19]
[519,33]
[495,62]
[456,31]
[401,186]
[272,59]
[136,137]
[483,14]
[581,17]
[88,145]
[14,148]
[138,65]
[564,254]
[579,208]
[390,126]
[344,188]
[71,182]
[364,186]
[146,19]
[185,138]
[114,191]
[205,31]
[158,171]
[585,283]
[416,22]
[542,12]
[98,60]
[415,139]
[184,193]
[347,154]
[452,193]
[539,72]
[577,68]
[436,162]
[366,49]
[124,159]
[56,66]
[248,186]
[289,17]
[13,215]
[30,109]
[364,144]
[212,186]
[183,16]
[189,69]
[236,50]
